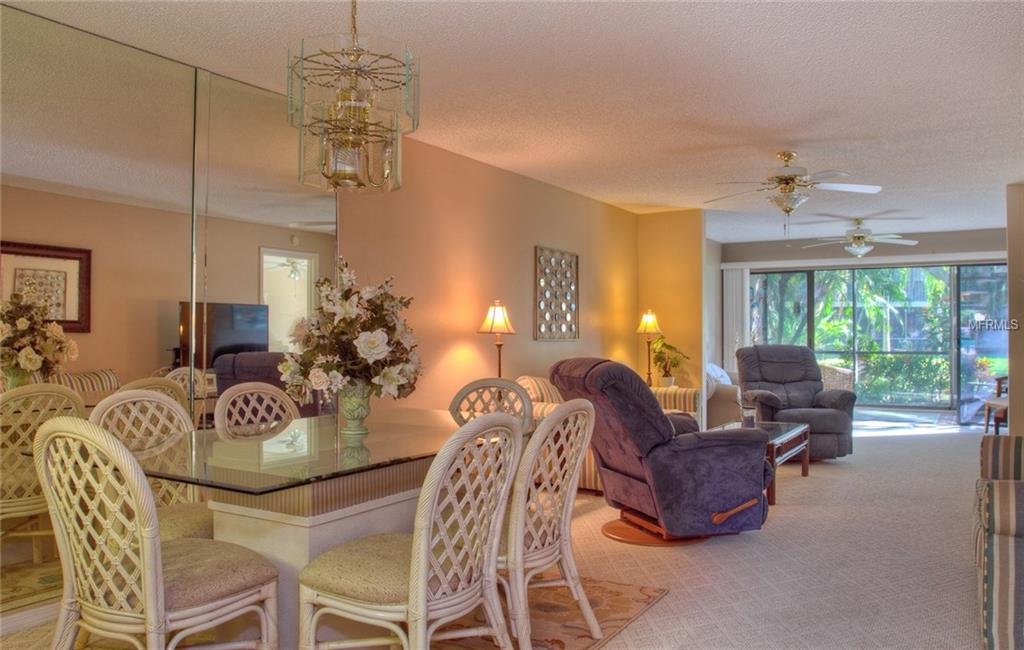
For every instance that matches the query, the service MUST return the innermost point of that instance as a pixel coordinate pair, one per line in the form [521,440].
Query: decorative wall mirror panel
[556,295]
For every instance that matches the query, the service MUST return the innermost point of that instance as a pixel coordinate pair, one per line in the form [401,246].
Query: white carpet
[870,551]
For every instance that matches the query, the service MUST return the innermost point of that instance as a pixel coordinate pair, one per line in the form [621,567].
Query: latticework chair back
[253,409]
[492,395]
[155,428]
[180,377]
[105,523]
[163,385]
[22,411]
[546,482]
[459,514]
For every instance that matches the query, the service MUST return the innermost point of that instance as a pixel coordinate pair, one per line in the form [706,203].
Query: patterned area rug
[26,584]
[556,621]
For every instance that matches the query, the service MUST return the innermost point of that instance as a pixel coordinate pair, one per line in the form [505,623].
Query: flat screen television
[229,328]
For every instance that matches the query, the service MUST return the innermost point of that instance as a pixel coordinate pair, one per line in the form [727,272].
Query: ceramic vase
[353,408]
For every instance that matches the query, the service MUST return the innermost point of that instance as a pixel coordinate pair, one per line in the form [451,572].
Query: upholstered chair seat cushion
[820,420]
[372,569]
[201,571]
[180,520]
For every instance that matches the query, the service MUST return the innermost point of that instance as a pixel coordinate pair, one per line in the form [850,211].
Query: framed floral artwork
[58,278]
[556,295]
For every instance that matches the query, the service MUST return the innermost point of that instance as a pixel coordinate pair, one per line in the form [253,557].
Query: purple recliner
[688,483]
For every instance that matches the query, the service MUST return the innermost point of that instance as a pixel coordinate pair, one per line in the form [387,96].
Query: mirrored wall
[153,209]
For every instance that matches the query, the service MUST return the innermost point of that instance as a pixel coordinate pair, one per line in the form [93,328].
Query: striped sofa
[91,385]
[546,398]
[999,536]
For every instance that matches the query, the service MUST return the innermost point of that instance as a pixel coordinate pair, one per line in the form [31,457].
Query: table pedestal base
[290,542]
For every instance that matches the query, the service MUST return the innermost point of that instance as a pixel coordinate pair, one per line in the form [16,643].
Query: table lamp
[649,328]
[497,322]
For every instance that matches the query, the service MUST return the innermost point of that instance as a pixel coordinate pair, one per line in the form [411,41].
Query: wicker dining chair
[121,581]
[538,535]
[163,385]
[253,409]
[412,584]
[198,389]
[155,428]
[492,395]
[180,377]
[22,411]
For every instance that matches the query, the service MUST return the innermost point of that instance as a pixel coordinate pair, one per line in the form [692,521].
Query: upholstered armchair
[784,383]
[664,475]
[999,538]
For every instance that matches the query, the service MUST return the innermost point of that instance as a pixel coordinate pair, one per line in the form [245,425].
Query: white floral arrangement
[29,342]
[355,336]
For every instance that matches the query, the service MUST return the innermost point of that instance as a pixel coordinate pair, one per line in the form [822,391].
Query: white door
[287,287]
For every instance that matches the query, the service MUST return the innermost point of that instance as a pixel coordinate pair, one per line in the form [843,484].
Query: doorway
[287,287]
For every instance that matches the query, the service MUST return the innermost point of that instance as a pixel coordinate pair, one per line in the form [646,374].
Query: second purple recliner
[681,482]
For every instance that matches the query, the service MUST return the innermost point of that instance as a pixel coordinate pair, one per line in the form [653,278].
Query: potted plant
[667,358]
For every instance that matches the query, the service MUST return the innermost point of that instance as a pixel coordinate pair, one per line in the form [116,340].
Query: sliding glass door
[895,327]
[778,308]
[984,342]
[903,324]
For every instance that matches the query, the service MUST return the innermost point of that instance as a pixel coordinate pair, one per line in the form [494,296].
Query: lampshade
[497,320]
[859,250]
[648,324]
[788,201]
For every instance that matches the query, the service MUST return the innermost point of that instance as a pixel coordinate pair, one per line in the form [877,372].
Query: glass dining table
[294,494]
[301,453]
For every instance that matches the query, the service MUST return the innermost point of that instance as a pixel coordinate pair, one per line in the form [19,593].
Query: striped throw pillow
[675,398]
[540,389]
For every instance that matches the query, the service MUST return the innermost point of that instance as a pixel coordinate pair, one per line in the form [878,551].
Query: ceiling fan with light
[859,241]
[790,183]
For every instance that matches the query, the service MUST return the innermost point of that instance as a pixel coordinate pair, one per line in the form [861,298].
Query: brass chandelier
[351,104]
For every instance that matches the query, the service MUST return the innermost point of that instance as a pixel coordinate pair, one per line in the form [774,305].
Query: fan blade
[898,242]
[729,196]
[808,223]
[829,215]
[887,236]
[827,243]
[849,187]
[825,175]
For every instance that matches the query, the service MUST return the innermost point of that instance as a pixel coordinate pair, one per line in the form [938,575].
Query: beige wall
[712,302]
[140,269]
[671,275]
[1015,248]
[233,256]
[961,241]
[461,234]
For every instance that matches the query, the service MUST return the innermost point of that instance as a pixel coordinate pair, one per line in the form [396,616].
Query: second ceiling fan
[859,241]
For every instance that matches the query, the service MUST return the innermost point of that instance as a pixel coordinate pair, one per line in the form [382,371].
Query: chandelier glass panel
[352,96]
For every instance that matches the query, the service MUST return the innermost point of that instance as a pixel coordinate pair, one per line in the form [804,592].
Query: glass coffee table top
[777,431]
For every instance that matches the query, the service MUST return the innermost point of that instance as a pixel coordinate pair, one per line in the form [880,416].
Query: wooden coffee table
[785,441]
